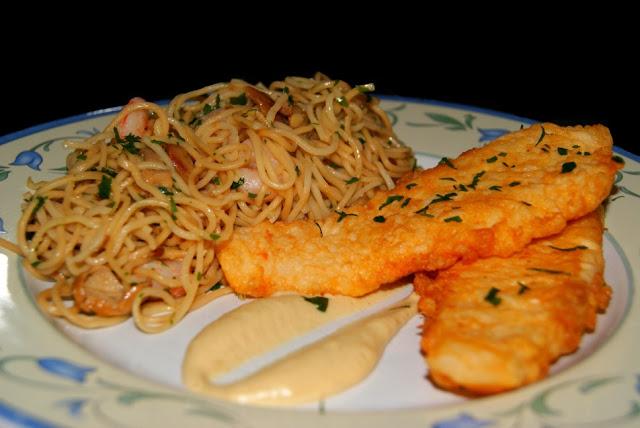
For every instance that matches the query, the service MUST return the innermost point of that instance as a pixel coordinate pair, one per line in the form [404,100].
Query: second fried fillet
[498,323]
[490,201]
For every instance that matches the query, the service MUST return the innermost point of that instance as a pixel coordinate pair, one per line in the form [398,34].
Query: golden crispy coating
[491,201]
[480,340]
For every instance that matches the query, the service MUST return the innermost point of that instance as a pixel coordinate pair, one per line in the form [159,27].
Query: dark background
[575,80]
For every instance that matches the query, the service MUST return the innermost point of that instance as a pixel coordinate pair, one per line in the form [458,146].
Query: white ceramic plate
[53,374]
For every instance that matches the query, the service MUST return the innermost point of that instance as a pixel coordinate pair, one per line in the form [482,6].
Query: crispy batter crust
[548,298]
[519,196]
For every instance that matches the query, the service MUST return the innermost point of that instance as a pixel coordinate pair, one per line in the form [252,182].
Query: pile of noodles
[131,229]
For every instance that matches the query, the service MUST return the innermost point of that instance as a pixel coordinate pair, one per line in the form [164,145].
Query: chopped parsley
[240,100]
[492,296]
[104,188]
[237,184]
[217,106]
[252,195]
[81,156]
[550,271]
[352,180]
[456,218]
[617,159]
[492,159]
[128,143]
[297,168]
[442,198]
[343,214]
[319,302]
[502,154]
[562,151]
[577,247]
[447,162]
[198,276]
[410,186]
[319,228]
[333,165]
[542,134]
[525,203]
[158,142]
[165,191]
[342,101]
[216,286]
[174,208]
[379,219]
[568,167]
[461,187]
[391,199]
[214,236]
[36,263]
[447,179]
[109,172]
[523,288]
[208,108]
[216,180]
[496,188]
[475,180]
[423,211]
[405,202]
[514,184]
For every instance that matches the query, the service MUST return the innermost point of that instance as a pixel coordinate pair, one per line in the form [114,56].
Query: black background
[574,79]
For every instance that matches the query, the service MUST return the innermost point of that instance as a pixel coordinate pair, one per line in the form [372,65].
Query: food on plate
[131,228]
[498,323]
[490,201]
[317,370]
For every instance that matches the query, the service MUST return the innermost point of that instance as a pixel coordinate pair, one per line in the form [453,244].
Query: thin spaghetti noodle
[131,229]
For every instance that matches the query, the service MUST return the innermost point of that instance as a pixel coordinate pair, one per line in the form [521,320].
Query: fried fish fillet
[490,201]
[498,323]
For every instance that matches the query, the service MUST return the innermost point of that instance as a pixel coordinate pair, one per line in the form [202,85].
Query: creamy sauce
[325,367]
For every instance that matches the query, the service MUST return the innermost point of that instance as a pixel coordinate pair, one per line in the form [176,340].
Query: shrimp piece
[169,269]
[99,291]
[181,160]
[136,122]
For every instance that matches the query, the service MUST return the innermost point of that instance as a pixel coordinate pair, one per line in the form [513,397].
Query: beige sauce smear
[323,368]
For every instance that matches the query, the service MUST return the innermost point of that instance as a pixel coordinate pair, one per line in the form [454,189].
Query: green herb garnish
[562,151]
[405,202]
[352,180]
[214,236]
[523,288]
[492,159]
[198,276]
[568,167]
[165,191]
[447,179]
[319,228]
[216,180]
[514,184]
[577,247]
[158,142]
[410,186]
[128,143]
[542,134]
[550,271]
[343,214]
[174,208]
[496,188]
[442,198]
[379,219]
[342,101]
[216,286]
[208,108]
[617,159]
[319,302]
[240,100]
[492,296]
[391,199]
[81,156]
[36,263]
[109,172]
[237,184]
[456,218]
[104,188]
[447,162]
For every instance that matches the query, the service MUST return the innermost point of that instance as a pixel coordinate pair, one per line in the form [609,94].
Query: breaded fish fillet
[498,323]
[491,201]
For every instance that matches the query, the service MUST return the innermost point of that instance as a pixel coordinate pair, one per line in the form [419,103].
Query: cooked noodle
[131,229]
